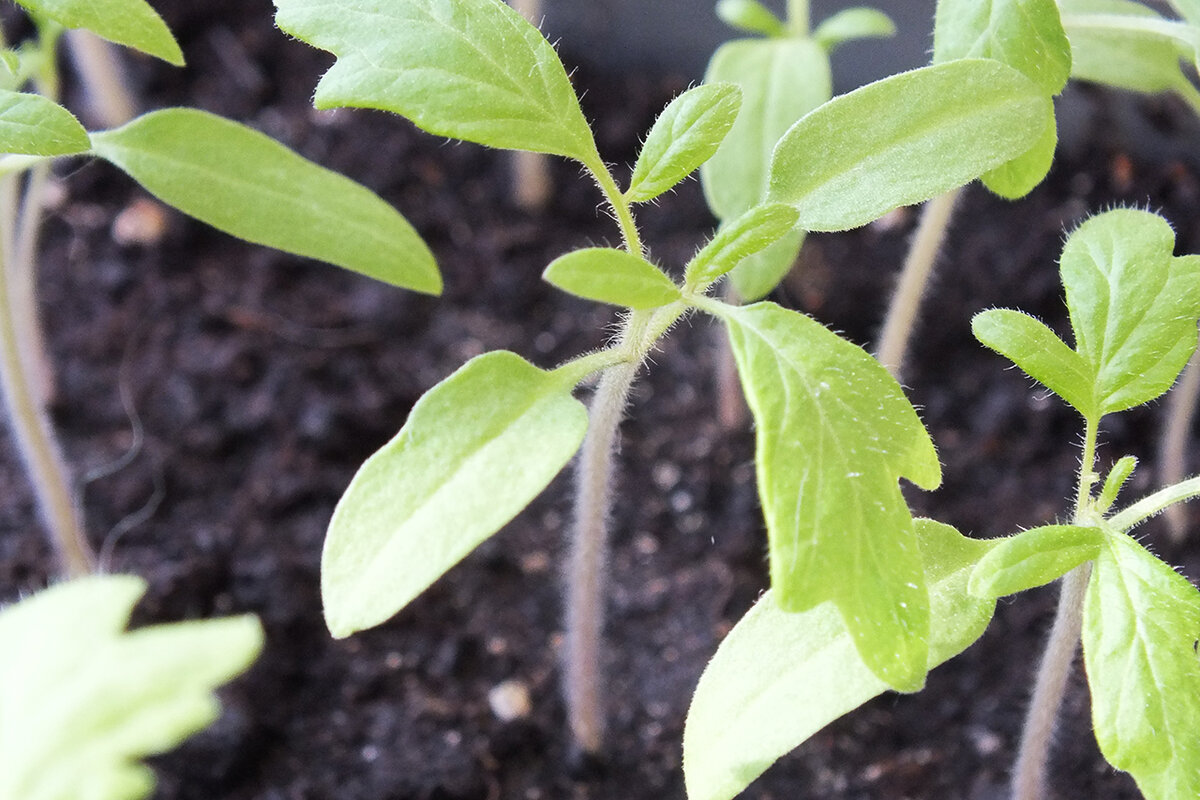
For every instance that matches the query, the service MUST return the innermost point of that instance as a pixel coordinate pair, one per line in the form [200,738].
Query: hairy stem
[914,277]
[1161,500]
[1172,460]
[588,565]
[99,66]
[1029,775]
[22,366]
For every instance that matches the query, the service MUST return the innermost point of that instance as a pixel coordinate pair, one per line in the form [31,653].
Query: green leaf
[466,69]
[759,274]
[34,125]
[611,276]
[1117,476]
[1141,620]
[860,22]
[132,23]
[1027,35]
[1188,9]
[905,139]
[834,433]
[779,677]
[1033,558]
[781,81]
[1018,177]
[81,701]
[246,184]
[750,16]
[1108,49]
[750,233]
[1133,306]
[1040,353]
[684,136]
[475,450]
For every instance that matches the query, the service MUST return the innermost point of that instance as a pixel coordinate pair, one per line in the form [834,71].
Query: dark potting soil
[250,385]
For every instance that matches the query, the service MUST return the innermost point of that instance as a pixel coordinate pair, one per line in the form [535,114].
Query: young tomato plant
[778,678]
[216,170]
[835,432]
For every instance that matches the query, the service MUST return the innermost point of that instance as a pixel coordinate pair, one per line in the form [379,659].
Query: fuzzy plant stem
[1050,686]
[914,277]
[23,365]
[532,184]
[1172,452]
[587,569]
[105,88]
[1029,775]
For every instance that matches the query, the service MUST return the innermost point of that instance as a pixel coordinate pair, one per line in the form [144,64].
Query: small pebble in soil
[510,700]
[142,222]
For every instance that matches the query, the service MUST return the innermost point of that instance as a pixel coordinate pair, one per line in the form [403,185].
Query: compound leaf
[685,135]
[466,69]
[905,139]
[611,276]
[834,434]
[247,184]
[1141,620]
[781,81]
[779,677]
[752,232]
[1033,558]
[82,701]
[475,450]
[859,22]
[1040,353]
[1133,305]
[31,124]
[132,23]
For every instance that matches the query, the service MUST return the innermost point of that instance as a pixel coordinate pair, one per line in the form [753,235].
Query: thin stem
[1172,460]
[1161,500]
[587,569]
[798,18]
[28,421]
[1029,775]
[99,67]
[914,277]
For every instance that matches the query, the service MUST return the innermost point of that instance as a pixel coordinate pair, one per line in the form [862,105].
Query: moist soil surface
[216,398]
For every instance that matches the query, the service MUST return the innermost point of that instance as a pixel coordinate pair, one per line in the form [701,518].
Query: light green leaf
[34,125]
[859,22]
[781,81]
[611,276]
[750,233]
[779,677]
[466,69]
[1027,35]
[759,274]
[905,139]
[1141,620]
[684,136]
[1188,9]
[1033,558]
[1133,306]
[246,184]
[1040,353]
[81,701]
[475,450]
[132,23]
[834,433]
[1117,476]
[750,16]
[1107,48]
[1018,177]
